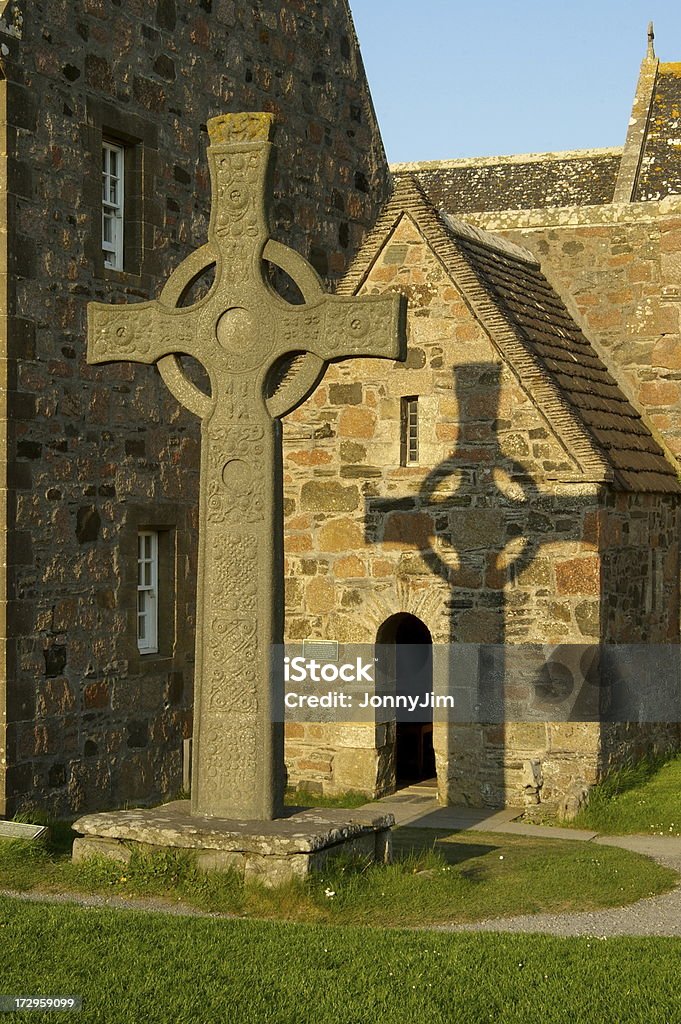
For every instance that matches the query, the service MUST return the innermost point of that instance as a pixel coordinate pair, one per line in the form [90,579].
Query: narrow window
[654,588]
[659,579]
[112,204]
[410,431]
[147,591]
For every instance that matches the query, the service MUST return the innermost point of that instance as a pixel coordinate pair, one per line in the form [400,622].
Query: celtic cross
[244,333]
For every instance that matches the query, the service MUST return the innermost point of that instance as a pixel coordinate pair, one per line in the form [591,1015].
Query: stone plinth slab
[272,851]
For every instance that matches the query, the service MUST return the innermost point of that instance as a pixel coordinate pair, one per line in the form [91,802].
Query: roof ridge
[488,238]
[503,158]
[407,196]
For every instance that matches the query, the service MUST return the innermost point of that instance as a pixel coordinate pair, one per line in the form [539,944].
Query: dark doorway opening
[406,656]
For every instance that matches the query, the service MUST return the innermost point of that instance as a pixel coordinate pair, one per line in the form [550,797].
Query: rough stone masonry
[93,454]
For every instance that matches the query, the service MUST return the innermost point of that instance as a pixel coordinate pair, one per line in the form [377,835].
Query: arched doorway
[405,667]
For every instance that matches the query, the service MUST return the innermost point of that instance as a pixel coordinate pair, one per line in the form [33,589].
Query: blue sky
[452,79]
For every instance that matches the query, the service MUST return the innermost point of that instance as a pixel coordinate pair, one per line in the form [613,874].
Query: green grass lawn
[132,967]
[436,877]
[303,798]
[645,798]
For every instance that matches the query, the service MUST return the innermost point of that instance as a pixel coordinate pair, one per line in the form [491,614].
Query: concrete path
[417,807]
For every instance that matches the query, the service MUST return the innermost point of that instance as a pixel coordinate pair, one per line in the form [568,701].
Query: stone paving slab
[459,819]
[422,810]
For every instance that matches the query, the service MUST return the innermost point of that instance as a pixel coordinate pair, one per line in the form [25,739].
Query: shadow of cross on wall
[479,522]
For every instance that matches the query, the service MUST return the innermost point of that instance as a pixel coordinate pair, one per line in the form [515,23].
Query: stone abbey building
[514,481]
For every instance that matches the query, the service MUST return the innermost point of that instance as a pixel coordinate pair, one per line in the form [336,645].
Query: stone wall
[639,541]
[518,763]
[454,524]
[95,453]
[481,540]
[617,268]
[633,580]
[625,743]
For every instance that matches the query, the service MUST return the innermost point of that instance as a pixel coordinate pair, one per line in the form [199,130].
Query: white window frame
[113,204]
[147,591]
[410,430]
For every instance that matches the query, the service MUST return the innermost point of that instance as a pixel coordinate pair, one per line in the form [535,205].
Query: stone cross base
[273,852]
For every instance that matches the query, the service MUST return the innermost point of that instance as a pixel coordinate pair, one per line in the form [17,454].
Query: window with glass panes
[410,431]
[147,591]
[112,204]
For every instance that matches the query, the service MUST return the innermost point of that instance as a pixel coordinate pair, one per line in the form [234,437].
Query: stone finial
[630,164]
[248,127]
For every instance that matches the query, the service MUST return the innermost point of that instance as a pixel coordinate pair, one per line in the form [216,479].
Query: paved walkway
[417,807]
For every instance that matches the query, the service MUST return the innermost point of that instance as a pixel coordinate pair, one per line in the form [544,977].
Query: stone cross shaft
[242,331]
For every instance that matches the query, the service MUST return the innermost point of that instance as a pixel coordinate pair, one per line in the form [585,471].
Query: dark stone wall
[640,551]
[95,453]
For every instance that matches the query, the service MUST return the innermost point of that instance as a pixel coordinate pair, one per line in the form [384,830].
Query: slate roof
[660,172]
[584,178]
[529,322]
